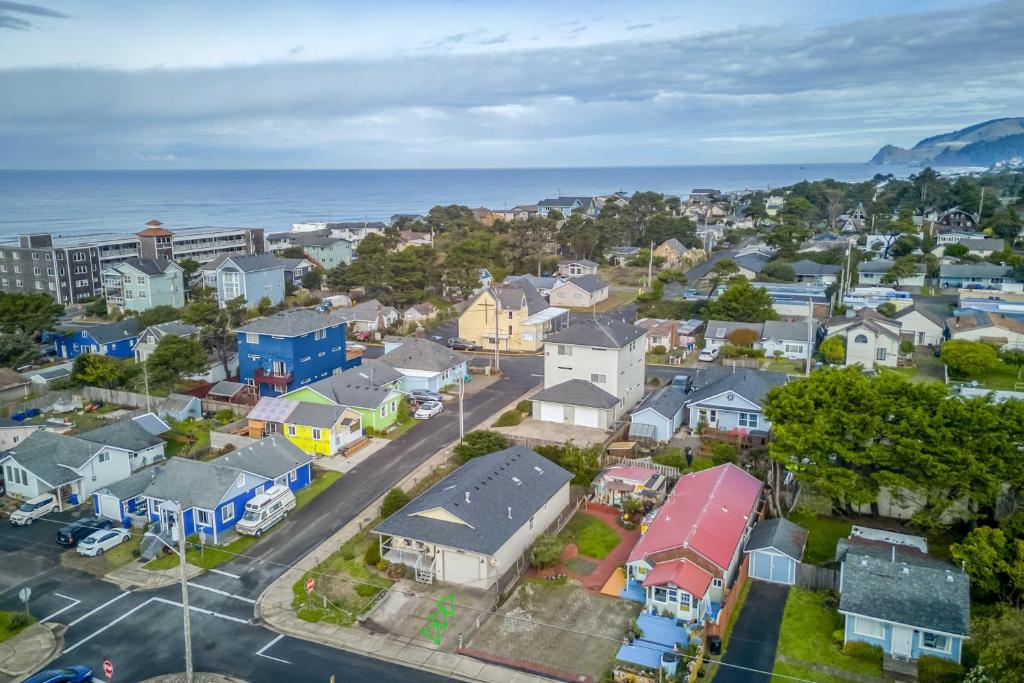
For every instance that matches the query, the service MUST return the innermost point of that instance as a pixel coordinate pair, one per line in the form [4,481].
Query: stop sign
[108,668]
[310,583]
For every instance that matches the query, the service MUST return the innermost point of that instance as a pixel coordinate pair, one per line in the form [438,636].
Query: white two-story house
[593,374]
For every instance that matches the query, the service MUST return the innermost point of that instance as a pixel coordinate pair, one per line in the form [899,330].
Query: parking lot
[27,552]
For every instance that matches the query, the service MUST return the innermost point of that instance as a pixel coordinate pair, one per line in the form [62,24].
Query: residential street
[141,631]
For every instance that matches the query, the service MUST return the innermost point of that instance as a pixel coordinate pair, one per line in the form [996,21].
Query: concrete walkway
[197,677]
[340,463]
[30,649]
[132,575]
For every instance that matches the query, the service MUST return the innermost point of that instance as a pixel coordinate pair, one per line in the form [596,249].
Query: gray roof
[666,402]
[984,243]
[516,478]
[780,534]
[149,266]
[52,457]
[128,435]
[808,267]
[515,295]
[113,332]
[360,225]
[675,244]
[538,282]
[177,403]
[371,371]
[270,457]
[293,322]
[927,597]
[151,423]
[307,238]
[225,388]
[193,483]
[577,392]
[974,270]
[612,334]
[938,320]
[345,392]
[753,262]
[133,486]
[700,271]
[720,329]
[582,261]
[588,283]
[423,354]
[788,331]
[247,264]
[174,328]
[752,385]
[883,266]
[293,263]
[315,414]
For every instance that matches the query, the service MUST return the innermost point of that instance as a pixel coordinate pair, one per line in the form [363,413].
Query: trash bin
[715,645]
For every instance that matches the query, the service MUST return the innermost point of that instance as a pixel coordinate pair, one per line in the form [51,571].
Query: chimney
[467,496]
[420,333]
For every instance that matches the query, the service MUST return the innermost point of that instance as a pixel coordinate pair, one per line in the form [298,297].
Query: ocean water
[98,202]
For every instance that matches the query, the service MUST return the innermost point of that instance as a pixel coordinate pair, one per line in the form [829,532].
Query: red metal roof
[626,473]
[682,573]
[707,512]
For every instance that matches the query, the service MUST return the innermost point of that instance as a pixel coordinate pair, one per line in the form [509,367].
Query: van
[683,382]
[265,510]
[34,508]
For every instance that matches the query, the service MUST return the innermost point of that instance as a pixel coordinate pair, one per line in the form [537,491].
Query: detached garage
[776,547]
[576,402]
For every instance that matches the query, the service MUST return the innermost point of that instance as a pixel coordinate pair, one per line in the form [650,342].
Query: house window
[202,517]
[935,641]
[598,379]
[320,334]
[672,594]
[103,457]
[251,338]
[293,476]
[868,627]
[227,513]
[861,339]
[717,583]
[794,348]
[291,430]
[748,420]
[660,594]
[316,434]
[880,354]
[564,350]
[684,599]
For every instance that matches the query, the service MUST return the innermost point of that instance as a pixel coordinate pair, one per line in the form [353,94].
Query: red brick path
[606,567]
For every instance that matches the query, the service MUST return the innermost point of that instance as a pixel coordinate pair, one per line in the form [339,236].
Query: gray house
[975,275]
[253,277]
[776,547]
[658,416]
[735,402]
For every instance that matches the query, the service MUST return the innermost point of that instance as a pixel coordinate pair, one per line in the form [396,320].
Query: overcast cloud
[753,94]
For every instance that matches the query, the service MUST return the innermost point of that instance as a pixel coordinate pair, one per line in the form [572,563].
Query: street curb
[57,631]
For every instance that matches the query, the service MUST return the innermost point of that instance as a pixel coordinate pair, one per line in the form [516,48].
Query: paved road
[755,635]
[140,631]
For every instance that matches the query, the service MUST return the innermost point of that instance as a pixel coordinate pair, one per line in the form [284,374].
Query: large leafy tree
[28,314]
[463,260]
[158,314]
[998,639]
[744,302]
[95,370]
[902,269]
[216,324]
[787,236]
[722,271]
[174,358]
[969,358]
[16,350]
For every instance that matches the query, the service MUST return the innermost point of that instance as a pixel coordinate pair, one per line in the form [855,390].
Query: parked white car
[708,355]
[34,508]
[103,540]
[428,409]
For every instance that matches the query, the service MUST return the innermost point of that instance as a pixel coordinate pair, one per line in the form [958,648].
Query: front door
[902,641]
[708,417]
[169,521]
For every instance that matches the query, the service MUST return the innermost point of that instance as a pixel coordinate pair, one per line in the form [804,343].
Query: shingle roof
[666,402]
[125,434]
[423,354]
[52,457]
[151,423]
[984,244]
[113,332]
[721,329]
[752,385]
[307,238]
[10,378]
[538,282]
[927,597]
[176,403]
[923,311]
[347,393]
[505,490]
[582,261]
[981,319]
[588,283]
[131,487]
[682,573]
[883,266]
[315,414]
[752,262]
[270,457]
[675,245]
[515,295]
[148,266]
[193,483]
[293,322]
[974,270]
[788,331]
[247,264]
[174,328]
[577,392]
[226,388]
[808,267]
[780,534]
[612,334]
[371,371]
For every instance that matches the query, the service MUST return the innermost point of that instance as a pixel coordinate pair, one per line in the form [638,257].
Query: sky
[482,84]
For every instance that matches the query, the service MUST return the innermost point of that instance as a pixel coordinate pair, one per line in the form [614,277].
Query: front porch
[415,556]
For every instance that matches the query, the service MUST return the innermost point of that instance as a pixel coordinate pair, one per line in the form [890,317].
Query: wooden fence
[817,578]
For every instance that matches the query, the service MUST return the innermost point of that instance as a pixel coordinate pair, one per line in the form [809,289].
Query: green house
[377,405]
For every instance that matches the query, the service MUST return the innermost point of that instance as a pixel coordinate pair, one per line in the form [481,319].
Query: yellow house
[676,255]
[315,428]
[515,313]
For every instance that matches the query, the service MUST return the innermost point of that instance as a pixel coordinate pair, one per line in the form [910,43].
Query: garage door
[771,567]
[780,569]
[587,417]
[459,568]
[551,412]
[109,507]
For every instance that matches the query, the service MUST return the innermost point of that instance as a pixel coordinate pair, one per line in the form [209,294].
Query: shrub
[887,308]
[833,350]
[722,452]
[525,407]
[659,350]
[509,419]
[18,620]
[365,590]
[968,358]
[383,565]
[224,416]
[372,555]
[347,553]
[395,500]
[906,346]
[546,551]
[838,636]
[480,442]
[938,670]
[673,457]
[865,651]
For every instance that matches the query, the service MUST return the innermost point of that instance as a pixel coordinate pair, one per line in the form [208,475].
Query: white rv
[265,510]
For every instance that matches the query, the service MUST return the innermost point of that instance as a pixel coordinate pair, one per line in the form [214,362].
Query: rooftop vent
[510,517]
[517,480]
[467,496]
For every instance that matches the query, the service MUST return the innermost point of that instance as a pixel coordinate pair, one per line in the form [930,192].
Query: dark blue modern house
[116,340]
[290,349]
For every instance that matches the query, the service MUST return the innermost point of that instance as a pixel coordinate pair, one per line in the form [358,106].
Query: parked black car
[70,535]
[461,344]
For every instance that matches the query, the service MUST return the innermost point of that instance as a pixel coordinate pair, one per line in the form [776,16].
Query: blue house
[734,403]
[253,277]
[899,598]
[293,348]
[659,416]
[213,494]
[116,340]
[424,364]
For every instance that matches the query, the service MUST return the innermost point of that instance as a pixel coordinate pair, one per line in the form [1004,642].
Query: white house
[577,268]
[985,326]
[815,273]
[873,272]
[925,327]
[794,340]
[593,374]
[579,292]
[871,338]
[12,433]
[478,522]
[716,333]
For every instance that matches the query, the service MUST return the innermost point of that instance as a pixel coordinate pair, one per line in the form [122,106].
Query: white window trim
[946,650]
[227,513]
[881,628]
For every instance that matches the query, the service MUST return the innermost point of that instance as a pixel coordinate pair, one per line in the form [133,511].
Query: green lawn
[806,634]
[822,535]
[8,630]
[674,457]
[101,565]
[592,537]
[212,556]
[1002,376]
[199,433]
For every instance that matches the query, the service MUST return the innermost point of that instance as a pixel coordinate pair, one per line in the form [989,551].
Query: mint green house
[139,284]
[377,405]
[318,245]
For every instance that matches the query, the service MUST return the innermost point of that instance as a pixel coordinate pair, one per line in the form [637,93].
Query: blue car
[71,674]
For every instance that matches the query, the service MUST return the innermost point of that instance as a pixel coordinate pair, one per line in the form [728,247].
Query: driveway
[27,552]
[755,635]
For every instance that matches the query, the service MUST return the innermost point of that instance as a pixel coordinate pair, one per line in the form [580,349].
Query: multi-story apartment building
[70,268]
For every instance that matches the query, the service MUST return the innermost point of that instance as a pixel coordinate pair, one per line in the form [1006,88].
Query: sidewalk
[340,463]
[197,677]
[30,649]
[132,575]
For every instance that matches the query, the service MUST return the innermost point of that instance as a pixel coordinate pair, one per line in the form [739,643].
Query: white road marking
[220,592]
[92,635]
[202,611]
[62,609]
[259,653]
[89,614]
[223,573]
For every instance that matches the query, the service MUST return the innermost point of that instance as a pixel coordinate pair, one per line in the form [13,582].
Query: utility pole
[650,265]
[497,356]
[981,202]
[145,377]
[184,594]
[810,335]
[462,391]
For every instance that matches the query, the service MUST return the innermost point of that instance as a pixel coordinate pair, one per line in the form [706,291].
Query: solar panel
[271,409]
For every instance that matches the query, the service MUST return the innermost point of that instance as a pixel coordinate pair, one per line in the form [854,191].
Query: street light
[180,550]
